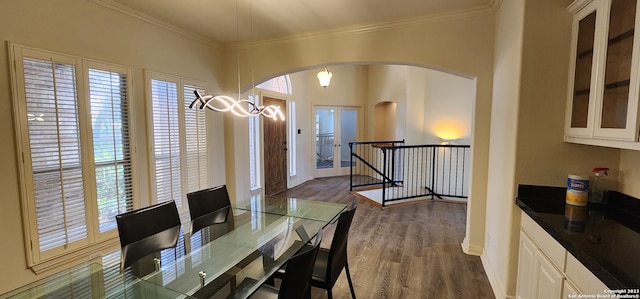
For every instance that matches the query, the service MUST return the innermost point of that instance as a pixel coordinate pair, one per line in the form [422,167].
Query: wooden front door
[275,150]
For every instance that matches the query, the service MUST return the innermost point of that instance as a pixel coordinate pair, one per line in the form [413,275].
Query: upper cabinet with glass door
[602,107]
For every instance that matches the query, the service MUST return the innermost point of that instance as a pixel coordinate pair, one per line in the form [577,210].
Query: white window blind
[195,141]
[54,136]
[179,138]
[76,168]
[166,141]
[111,148]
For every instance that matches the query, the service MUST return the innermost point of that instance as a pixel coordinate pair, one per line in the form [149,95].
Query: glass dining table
[232,258]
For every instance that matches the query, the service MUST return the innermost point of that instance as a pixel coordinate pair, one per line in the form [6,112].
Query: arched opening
[405,85]
[384,121]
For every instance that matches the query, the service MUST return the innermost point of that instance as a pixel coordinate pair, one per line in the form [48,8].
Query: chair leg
[346,268]
[329,294]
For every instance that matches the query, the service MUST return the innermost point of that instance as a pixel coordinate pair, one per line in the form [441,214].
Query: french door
[335,127]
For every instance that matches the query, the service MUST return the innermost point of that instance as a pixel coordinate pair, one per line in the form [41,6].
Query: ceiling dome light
[325,77]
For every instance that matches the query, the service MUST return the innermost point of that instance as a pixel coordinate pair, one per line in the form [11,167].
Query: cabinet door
[549,279]
[537,276]
[617,111]
[526,264]
[569,290]
[584,70]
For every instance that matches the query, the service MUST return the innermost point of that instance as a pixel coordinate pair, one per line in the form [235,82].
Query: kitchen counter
[605,238]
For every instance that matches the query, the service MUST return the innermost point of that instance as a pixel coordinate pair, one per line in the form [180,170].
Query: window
[293,133]
[254,148]
[76,171]
[281,84]
[111,150]
[179,159]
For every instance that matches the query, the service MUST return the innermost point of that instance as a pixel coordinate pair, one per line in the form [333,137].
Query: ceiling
[229,22]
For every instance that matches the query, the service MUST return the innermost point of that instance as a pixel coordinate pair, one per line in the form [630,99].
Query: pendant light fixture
[324,76]
[242,108]
[224,103]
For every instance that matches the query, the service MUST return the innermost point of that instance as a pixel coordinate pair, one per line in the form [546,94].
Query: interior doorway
[335,127]
[275,150]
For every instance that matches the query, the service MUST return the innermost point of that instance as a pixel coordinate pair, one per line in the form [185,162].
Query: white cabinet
[546,270]
[583,280]
[569,289]
[602,103]
[538,276]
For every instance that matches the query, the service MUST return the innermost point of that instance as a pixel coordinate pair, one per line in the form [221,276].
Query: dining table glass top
[231,258]
[291,206]
[93,280]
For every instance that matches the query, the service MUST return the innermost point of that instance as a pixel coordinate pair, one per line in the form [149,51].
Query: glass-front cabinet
[603,94]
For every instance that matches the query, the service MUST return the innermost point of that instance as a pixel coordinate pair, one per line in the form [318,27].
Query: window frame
[48,259]
[180,83]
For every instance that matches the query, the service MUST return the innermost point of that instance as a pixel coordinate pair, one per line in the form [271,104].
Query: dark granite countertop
[604,237]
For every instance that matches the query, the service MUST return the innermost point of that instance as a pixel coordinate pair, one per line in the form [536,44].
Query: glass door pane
[348,133]
[582,79]
[618,64]
[325,131]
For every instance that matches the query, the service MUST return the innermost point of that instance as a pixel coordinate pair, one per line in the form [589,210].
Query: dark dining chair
[147,230]
[296,281]
[330,262]
[208,207]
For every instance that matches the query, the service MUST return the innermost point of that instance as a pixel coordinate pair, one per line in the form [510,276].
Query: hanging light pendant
[240,107]
[324,77]
[224,103]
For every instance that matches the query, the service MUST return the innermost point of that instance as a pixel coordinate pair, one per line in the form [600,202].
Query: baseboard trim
[496,285]
[470,249]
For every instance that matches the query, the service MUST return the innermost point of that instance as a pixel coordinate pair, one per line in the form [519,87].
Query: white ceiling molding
[491,7]
[155,22]
[354,30]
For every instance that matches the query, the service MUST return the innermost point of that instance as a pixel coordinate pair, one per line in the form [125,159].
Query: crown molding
[374,27]
[577,5]
[489,8]
[495,4]
[110,4]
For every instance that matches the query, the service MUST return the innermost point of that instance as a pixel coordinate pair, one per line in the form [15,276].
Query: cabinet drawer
[582,278]
[549,246]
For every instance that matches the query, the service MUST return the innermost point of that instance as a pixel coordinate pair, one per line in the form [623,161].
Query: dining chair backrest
[338,250]
[147,230]
[208,207]
[296,282]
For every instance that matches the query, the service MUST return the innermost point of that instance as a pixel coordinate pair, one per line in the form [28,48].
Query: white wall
[430,103]
[448,110]
[414,105]
[89,30]
[500,225]
[387,83]
[530,90]
[629,175]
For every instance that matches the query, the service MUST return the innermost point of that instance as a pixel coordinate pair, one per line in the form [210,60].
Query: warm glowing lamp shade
[325,77]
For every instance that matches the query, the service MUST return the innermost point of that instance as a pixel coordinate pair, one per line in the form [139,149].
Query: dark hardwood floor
[409,251]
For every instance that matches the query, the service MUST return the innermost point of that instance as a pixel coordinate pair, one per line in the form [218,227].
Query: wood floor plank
[408,251]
